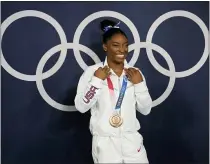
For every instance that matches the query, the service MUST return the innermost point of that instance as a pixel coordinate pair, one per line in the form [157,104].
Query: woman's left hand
[133,75]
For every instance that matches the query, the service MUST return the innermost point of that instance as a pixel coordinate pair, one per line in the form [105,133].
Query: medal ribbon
[121,94]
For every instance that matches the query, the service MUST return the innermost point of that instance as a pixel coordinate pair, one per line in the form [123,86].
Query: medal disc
[116,120]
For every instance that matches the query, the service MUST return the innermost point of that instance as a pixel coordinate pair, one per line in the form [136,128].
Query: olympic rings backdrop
[46,46]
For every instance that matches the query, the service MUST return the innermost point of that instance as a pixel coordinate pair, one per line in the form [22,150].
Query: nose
[122,49]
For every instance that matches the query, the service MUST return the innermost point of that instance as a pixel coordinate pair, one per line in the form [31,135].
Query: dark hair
[107,34]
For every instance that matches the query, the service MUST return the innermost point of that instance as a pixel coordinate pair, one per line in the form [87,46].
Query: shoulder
[89,71]
[138,69]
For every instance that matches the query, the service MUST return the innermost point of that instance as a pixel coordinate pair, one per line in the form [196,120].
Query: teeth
[120,56]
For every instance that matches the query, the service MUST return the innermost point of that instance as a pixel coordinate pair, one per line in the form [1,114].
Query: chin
[119,61]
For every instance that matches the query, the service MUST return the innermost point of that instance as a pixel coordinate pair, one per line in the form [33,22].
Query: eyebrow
[119,43]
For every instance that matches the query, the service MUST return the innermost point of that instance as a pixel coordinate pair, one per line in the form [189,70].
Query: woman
[114,91]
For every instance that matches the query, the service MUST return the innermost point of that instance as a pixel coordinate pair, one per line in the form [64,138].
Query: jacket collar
[126,65]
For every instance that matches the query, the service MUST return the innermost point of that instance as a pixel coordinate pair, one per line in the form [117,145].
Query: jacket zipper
[119,84]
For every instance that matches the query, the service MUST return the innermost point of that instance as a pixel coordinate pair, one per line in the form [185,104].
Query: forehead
[118,38]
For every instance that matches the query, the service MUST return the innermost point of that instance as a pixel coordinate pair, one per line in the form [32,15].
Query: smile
[120,56]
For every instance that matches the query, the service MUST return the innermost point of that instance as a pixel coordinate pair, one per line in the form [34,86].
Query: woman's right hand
[102,73]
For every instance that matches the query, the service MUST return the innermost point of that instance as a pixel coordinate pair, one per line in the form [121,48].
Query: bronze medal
[116,120]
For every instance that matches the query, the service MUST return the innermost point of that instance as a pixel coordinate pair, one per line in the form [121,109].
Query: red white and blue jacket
[93,94]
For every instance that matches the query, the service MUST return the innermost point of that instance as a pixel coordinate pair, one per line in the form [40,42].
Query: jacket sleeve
[88,91]
[143,98]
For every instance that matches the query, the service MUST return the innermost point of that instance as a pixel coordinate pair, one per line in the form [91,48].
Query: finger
[130,72]
[129,77]
[108,70]
[108,74]
[125,69]
[136,71]
[106,67]
[133,71]
[100,68]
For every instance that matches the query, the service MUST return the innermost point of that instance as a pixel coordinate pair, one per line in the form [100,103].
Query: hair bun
[106,23]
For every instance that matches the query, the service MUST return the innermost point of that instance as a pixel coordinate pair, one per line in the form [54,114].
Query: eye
[126,46]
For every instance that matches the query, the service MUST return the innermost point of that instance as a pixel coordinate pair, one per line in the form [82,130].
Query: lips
[120,56]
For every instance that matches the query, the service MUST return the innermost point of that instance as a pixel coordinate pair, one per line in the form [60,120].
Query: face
[117,48]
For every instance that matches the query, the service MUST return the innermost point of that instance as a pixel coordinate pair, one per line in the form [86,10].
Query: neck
[116,67]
